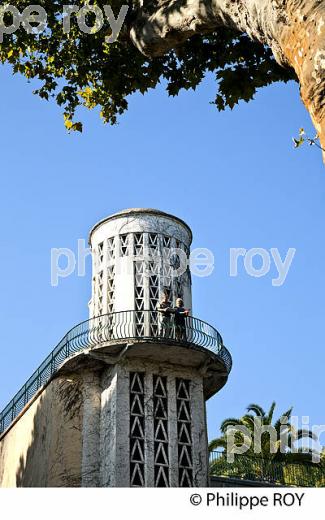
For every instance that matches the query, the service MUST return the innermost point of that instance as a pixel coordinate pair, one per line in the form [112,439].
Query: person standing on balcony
[165,309]
[180,323]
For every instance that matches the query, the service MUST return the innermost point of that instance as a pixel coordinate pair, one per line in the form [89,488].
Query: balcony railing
[267,472]
[124,325]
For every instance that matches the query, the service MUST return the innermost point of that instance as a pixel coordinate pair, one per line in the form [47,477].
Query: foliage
[303,138]
[79,69]
[277,461]
[283,448]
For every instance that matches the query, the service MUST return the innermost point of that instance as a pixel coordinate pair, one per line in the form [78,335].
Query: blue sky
[233,177]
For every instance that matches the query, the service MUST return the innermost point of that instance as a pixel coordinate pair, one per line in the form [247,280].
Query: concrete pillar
[91,390]
[117,421]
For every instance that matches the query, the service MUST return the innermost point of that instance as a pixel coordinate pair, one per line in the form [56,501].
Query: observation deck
[131,333]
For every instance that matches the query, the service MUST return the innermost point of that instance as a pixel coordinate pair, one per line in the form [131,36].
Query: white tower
[137,254]
[120,401]
[146,409]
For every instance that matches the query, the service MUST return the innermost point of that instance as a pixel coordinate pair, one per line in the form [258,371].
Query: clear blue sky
[234,177]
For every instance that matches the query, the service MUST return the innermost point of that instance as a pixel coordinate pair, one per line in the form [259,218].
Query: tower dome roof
[138,211]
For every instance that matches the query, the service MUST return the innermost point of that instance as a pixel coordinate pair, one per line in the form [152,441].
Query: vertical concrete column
[199,434]
[149,431]
[114,428]
[122,432]
[108,428]
[90,429]
[172,431]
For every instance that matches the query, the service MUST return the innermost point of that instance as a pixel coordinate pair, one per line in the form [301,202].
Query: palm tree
[269,446]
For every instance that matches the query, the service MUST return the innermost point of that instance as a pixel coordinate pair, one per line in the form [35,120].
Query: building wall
[82,430]
[43,447]
[136,258]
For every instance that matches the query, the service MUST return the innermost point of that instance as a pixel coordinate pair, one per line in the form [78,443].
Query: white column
[108,428]
[90,429]
[122,466]
[199,434]
[172,431]
[149,431]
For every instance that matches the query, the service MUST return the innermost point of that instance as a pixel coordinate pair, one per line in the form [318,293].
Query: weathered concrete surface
[120,284]
[91,390]
[43,448]
[76,433]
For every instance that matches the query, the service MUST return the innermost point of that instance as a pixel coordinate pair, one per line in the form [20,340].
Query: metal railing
[124,325]
[249,468]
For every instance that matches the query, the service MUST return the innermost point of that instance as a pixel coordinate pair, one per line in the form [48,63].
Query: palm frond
[220,442]
[232,421]
[248,420]
[271,412]
[256,408]
[281,422]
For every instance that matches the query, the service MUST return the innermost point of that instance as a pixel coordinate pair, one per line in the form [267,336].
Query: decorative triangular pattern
[159,387]
[139,331]
[139,292]
[167,269]
[139,298]
[154,291]
[153,267]
[153,240]
[161,434]
[138,244]
[138,239]
[161,477]
[139,267]
[184,436]
[139,303]
[138,280]
[136,406]
[137,453]
[137,475]
[160,409]
[161,455]
[110,288]
[154,281]
[154,318]
[111,248]
[185,457]
[183,390]
[139,318]
[185,478]
[137,430]
[101,252]
[185,447]
[136,386]
[124,245]
[161,444]
[166,241]
[183,412]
